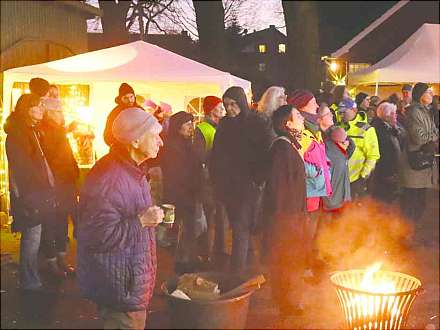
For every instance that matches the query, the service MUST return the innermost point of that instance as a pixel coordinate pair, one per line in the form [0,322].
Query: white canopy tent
[417,59]
[153,72]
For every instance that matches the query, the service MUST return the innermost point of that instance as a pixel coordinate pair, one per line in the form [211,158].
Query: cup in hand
[169,213]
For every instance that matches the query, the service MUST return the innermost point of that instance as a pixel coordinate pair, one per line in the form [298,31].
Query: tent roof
[390,12]
[417,59]
[136,61]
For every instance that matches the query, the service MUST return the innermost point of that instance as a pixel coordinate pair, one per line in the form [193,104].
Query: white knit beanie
[132,123]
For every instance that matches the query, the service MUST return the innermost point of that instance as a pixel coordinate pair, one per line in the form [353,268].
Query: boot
[54,270]
[62,264]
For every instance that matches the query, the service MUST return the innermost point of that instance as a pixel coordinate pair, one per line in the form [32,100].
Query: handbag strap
[50,176]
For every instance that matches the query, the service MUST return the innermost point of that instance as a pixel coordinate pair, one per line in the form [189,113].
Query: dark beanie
[360,98]
[418,91]
[125,89]
[237,94]
[300,98]
[39,86]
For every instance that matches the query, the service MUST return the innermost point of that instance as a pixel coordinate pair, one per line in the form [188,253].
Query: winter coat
[391,144]
[286,178]
[285,204]
[364,158]
[339,176]
[316,165]
[181,172]
[29,182]
[420,129]
[59,155]
[116,259]
[239,156]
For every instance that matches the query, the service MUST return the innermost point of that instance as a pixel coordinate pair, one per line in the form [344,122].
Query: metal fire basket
[372,310]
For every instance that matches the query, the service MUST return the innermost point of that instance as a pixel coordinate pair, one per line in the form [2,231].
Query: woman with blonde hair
[272,99]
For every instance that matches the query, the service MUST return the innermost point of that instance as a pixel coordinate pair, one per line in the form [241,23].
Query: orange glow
[371,305]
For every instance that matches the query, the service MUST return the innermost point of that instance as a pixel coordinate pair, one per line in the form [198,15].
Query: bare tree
[114,21]
[210,18]
[301,19]
[146,13]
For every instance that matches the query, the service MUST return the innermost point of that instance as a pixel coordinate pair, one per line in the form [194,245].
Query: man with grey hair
[116,234]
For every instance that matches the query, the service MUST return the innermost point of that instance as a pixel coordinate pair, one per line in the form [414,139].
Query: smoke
[365,233]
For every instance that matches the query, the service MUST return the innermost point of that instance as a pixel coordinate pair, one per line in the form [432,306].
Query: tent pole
[377,88]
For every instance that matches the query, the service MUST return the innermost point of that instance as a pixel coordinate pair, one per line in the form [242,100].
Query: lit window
[262,48]
[354,67]
[262,67]
[281,48]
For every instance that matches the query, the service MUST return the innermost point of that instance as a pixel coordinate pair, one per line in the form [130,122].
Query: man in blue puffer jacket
[116,235]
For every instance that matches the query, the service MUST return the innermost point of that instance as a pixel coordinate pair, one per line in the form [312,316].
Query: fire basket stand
[375,300]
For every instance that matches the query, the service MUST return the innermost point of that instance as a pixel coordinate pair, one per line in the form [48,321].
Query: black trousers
[413,203]
[358,189]
[54,234]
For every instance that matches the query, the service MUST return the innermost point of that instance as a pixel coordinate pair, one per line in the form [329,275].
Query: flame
[369,306]
[379,285]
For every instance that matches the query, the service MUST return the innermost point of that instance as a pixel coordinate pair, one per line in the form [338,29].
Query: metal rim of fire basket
[418,290]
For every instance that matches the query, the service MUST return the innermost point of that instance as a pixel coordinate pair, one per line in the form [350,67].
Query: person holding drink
[181,187]
[116,260]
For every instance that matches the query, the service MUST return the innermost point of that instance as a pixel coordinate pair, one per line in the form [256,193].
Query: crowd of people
[270,171]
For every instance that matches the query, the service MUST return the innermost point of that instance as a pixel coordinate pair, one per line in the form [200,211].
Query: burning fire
[376,285]
[375,299]
[368,305]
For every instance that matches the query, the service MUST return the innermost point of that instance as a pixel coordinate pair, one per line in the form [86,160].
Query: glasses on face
[429,92]
[326,114]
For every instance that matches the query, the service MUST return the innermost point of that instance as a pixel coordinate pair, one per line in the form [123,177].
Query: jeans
[358,189]
[29,246]
[122,320]
[214,240]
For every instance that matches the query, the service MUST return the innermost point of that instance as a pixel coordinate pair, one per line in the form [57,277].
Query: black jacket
[391,145]
[239,156]
[60,157]
[285,193]
[29,184]
[181,172]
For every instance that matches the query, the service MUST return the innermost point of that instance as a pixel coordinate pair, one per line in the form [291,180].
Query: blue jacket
[116,256]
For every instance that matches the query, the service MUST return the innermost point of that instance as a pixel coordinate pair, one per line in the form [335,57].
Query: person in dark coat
[287,238]
[238,168]
[31,184]
[59,155]
[391,137]
[116,261]
[181,187]
[126,99]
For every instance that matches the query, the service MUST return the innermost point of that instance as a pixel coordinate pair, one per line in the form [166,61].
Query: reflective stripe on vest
[208,132]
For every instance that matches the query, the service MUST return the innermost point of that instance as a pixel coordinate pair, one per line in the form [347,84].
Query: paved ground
[65,309]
